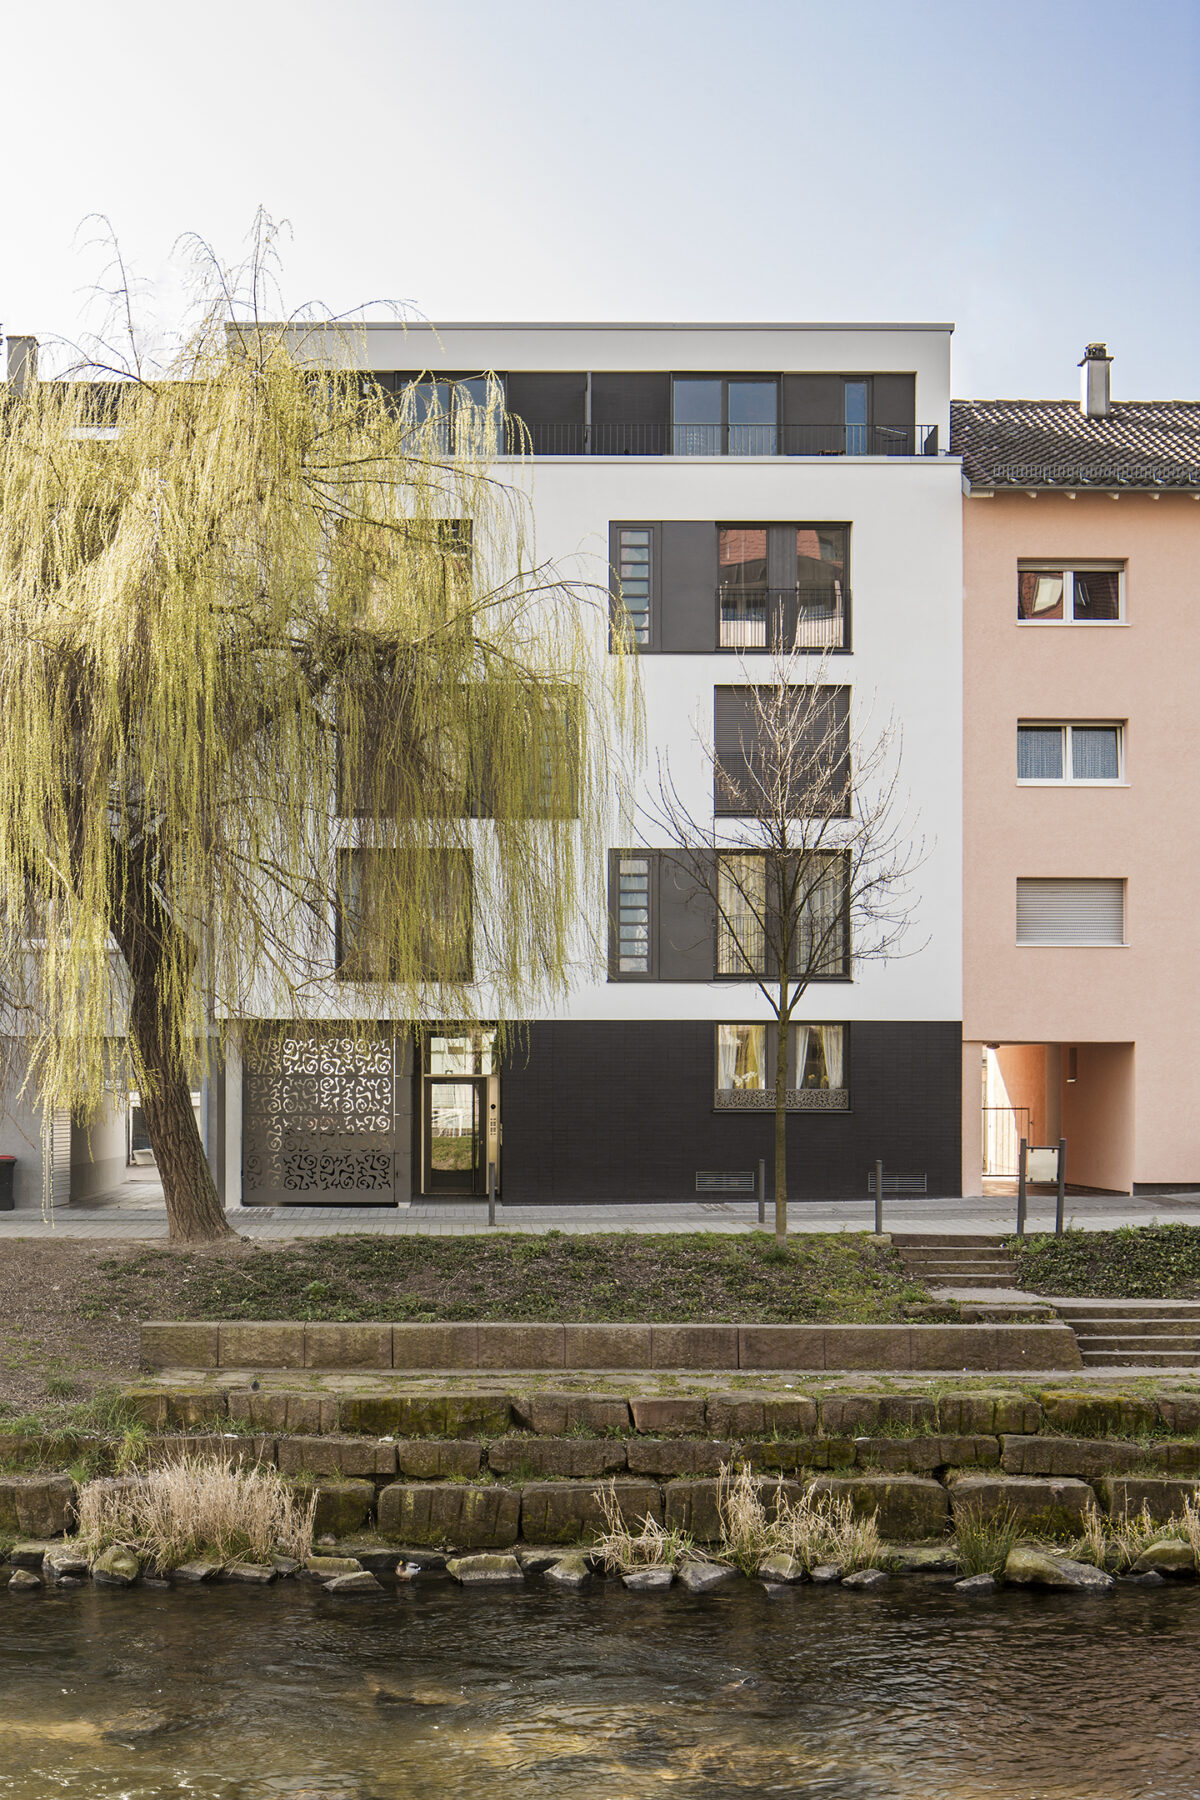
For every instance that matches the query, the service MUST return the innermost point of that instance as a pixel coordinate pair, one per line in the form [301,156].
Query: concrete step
[1140,1359]
[1134,1327]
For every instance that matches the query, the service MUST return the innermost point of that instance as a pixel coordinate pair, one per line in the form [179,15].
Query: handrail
[804,617]
[639,438]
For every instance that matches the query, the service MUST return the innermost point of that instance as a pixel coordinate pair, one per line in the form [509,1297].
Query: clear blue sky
[1030,171]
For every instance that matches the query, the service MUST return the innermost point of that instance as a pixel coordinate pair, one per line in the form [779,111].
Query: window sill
[762,1100]
[1073,624]
[1071,784]
[1061,946]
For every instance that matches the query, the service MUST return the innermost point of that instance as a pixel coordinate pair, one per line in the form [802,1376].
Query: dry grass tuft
[816,1528]
[624,1550]
[197,1506]
[1117,1543]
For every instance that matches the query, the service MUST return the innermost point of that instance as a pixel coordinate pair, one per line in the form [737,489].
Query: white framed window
[1062,910]
[1077,593]
[1075,755]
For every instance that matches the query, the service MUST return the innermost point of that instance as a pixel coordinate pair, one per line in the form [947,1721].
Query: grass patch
[983,1542]
[615,1277]
[1135,1262]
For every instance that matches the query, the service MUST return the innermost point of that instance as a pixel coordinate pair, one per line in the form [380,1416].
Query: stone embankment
[983,1342]
[481,1470]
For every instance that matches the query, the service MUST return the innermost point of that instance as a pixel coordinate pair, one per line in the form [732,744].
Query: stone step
[252,1347]
[1134,1327]
[1142,1359]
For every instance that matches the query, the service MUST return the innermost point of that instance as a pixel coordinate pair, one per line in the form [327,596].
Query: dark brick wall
[623,1111]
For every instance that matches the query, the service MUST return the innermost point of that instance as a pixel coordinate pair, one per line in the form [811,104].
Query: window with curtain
[741,1058]
[741,914]
[1069,753]
[822,948]
[818,1056]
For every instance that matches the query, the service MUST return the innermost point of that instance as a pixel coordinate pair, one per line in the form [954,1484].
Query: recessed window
[720,415]
[1076,595]
[633,915]
[404,915]
[741,1058]
[1076,755]
[1070,911]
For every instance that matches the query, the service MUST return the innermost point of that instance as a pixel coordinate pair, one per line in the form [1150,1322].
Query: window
[1062,911]
[379,889]
[751,931]
[466,411]
[741,1058]
[817,1057]
[782,587]
[746,1063]
[725,415]
[633,915]
[1074,754]
[752,727]
[633,563]
[470,1050]
[1081,594]
[741,914]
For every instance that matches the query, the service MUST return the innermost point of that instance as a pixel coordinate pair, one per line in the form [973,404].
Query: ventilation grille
[725,1181]
[899,1184]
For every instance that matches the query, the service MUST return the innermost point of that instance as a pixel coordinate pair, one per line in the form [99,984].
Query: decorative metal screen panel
[319,1121]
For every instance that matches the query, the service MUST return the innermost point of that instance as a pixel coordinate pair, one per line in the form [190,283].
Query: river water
[288,1694]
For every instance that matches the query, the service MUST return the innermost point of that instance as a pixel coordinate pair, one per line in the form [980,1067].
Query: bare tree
[807,854]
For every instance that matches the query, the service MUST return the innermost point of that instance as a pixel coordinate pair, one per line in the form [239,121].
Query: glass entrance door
[460,1109]
[453,1136]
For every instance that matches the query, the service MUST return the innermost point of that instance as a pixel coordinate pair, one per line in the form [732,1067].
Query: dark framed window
[633,551]
[749,772]
[725,415]
[816,1078]
[783,587]
[750,901]
[432,886]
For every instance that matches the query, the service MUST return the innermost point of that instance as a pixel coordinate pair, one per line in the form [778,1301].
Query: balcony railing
[783,619]
[723,440]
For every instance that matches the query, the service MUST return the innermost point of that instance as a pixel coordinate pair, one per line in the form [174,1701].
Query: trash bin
[8,1166]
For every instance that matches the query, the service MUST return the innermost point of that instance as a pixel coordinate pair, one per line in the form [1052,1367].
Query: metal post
[1062,1187]
[762,1190]
[1021,1189]
[491,1186]
[878,1198]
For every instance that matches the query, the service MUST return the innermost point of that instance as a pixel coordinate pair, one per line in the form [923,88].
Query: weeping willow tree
[295,723]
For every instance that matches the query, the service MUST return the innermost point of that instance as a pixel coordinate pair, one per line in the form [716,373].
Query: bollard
[762,1190]
[878,1198]
[491,1187]
[1021,1189]
[1062,1187]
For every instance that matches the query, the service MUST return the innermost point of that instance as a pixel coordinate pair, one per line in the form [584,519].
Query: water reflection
[229,1694]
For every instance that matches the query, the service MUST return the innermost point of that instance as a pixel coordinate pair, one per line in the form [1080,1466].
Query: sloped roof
[1052,443]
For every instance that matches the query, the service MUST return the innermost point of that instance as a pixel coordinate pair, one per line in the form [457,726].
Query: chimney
[1096,396]
[22,362]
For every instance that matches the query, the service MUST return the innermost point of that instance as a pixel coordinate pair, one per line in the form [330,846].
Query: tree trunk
[781,1212]
[194,1211]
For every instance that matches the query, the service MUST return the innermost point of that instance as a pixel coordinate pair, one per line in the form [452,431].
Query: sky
[1029,171]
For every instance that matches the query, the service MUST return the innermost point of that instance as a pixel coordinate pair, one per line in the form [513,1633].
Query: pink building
[1081,903]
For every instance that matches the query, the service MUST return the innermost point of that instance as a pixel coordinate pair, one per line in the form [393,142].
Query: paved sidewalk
[145,1218]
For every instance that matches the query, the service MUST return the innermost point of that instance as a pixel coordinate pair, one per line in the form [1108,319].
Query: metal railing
[783,619]
[641,439]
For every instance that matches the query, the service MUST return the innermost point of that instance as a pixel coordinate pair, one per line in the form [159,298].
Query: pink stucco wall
[1138,1112]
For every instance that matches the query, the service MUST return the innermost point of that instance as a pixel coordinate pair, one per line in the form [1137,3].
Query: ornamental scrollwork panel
[318,1118]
